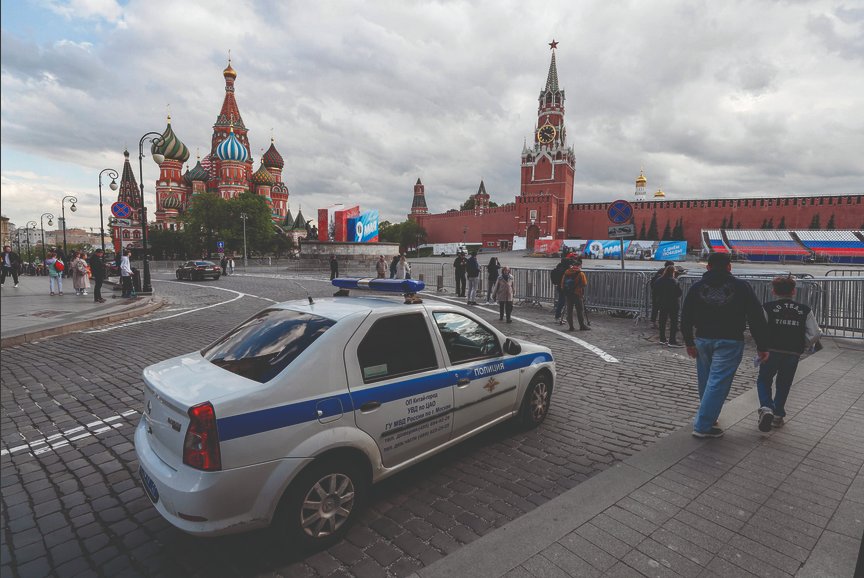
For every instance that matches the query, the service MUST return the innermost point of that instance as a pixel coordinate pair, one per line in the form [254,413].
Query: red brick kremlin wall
[589,220]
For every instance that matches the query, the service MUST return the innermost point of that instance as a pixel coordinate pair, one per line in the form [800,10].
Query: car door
[185,272]
[401,392]
[486,387]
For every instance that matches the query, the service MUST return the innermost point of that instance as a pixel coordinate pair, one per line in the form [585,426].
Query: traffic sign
[620,212]
[220,244]
[123,222]
[622,231]
[121,209]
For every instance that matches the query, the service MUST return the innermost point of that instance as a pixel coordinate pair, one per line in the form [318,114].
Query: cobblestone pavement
[72,503]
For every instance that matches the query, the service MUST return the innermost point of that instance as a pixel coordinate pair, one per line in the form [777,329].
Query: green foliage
[407,233]
[830,224]
[642,231]
[815,223]
[782,224]
[667,231]
[470,204]
[211,218]
[723,223]
[652,229]
[167,244]
[678,230]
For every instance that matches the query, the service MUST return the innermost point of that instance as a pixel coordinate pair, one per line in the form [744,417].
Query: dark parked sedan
[194,270]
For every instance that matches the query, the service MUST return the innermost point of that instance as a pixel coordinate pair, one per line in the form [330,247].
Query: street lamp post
[114,176]
[30,226]
[244,216]
[42,226]
[73,208]
[156,140]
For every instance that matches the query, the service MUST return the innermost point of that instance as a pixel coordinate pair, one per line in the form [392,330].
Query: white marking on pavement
[65,438]
[238,295]
[592,348]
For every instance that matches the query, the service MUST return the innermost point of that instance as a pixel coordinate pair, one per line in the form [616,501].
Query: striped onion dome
[232,149]
[170,146]
[171,201]
[197,173]
[272,158]
[263,177]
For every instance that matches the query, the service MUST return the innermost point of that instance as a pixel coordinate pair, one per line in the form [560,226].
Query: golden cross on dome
[553,45]
[229,57]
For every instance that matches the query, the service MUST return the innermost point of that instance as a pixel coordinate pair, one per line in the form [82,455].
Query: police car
[288,418]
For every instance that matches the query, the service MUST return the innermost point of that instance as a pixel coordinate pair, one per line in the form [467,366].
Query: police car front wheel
[322,502]
[535,404]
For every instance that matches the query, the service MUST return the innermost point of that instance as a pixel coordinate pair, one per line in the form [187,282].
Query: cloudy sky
[712,98]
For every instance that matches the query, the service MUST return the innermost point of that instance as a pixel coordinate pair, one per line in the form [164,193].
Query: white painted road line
[592,348]
[238,295]
[61,439]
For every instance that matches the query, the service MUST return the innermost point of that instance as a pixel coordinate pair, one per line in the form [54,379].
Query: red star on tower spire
[553,45]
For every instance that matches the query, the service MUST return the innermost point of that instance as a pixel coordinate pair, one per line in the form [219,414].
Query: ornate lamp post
[244,216]
[156,139]
[114,176]
[73,208]
[42,226]
[30,226]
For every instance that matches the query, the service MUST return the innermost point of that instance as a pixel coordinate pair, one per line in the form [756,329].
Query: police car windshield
[262,346]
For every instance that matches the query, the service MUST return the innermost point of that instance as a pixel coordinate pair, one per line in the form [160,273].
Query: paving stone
[541,566]
[569,562]
[587,551]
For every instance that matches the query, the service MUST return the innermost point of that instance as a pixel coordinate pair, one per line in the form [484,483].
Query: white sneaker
[83,293]
[766,416]
[16,285]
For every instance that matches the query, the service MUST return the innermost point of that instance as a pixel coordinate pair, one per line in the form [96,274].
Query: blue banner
[671,251]
[604,249]
[363,228]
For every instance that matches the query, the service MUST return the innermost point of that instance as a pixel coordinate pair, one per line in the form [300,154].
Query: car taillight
[201,446]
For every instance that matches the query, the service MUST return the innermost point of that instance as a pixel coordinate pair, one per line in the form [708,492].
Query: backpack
[557,274]
[570,285]
[59,266]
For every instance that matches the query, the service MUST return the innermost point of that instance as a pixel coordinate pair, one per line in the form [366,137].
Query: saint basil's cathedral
[227,171]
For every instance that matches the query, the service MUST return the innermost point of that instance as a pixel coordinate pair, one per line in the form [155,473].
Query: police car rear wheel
[322,503]
[535,405]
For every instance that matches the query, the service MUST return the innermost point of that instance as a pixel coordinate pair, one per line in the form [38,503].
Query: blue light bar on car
[403,286]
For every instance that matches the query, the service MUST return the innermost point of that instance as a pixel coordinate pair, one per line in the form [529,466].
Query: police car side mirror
[511,347]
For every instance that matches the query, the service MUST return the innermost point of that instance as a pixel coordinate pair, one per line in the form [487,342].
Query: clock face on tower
[546,134]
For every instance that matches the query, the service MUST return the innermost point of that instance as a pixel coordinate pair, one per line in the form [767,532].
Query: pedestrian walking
[667,293]
[503,291]
[97,267]
[792,330]
[126,275]
[381,267]
[54,267]
[556,275]
[334,267]
[403,268]
[459,264]
[472,270]
[230,265]
[10,265]
[655,305]
[573,285]
[492,271]
[223,262]
[716,310]
[393,263]
[80,279]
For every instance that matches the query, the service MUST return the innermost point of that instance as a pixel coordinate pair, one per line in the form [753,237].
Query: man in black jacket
[10,265]
[556,275]
[97,267]
[719,307]
[459,264]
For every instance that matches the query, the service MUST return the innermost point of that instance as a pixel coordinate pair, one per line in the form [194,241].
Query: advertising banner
[363,228]
[548,246]
[605,249]
[671,251]
[340,219]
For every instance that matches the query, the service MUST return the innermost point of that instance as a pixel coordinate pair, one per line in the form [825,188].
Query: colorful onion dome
[197,173]
[232,149]
[170,146]
[272,159]
[171,201]
[263,177]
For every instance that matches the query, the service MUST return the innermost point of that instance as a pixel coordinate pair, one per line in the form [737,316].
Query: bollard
[439,283]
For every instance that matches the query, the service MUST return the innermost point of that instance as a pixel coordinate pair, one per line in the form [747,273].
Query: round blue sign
[620,212]
[121,210]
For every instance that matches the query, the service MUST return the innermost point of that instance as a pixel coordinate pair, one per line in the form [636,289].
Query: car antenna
[308,296]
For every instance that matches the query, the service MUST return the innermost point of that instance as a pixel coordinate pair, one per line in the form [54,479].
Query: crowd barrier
[836,299]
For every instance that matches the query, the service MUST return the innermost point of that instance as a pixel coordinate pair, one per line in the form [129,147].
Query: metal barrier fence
[844,273]
[837,301]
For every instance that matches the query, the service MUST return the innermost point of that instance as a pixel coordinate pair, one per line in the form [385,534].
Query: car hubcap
[327,505]
[539,401]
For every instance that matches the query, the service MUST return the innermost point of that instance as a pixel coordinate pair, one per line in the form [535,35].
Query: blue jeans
[782,365]
[560,301]
[716,364]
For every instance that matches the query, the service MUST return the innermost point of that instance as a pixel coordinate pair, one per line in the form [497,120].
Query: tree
[815,224]
[259,224]
[782,224]
[204,219]
[166,243]
[389,232]
[642,231]
[469,204]
[770,223]
[411,234]
[678,229]
[830,224]
[764,224]
[667,231]
[652,228]
[723,223]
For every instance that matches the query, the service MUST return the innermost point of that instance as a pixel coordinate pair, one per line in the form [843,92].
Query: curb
[32,336]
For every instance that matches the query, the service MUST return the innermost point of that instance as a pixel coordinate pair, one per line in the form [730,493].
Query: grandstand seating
[834,246]
[763,245]
[712,241]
